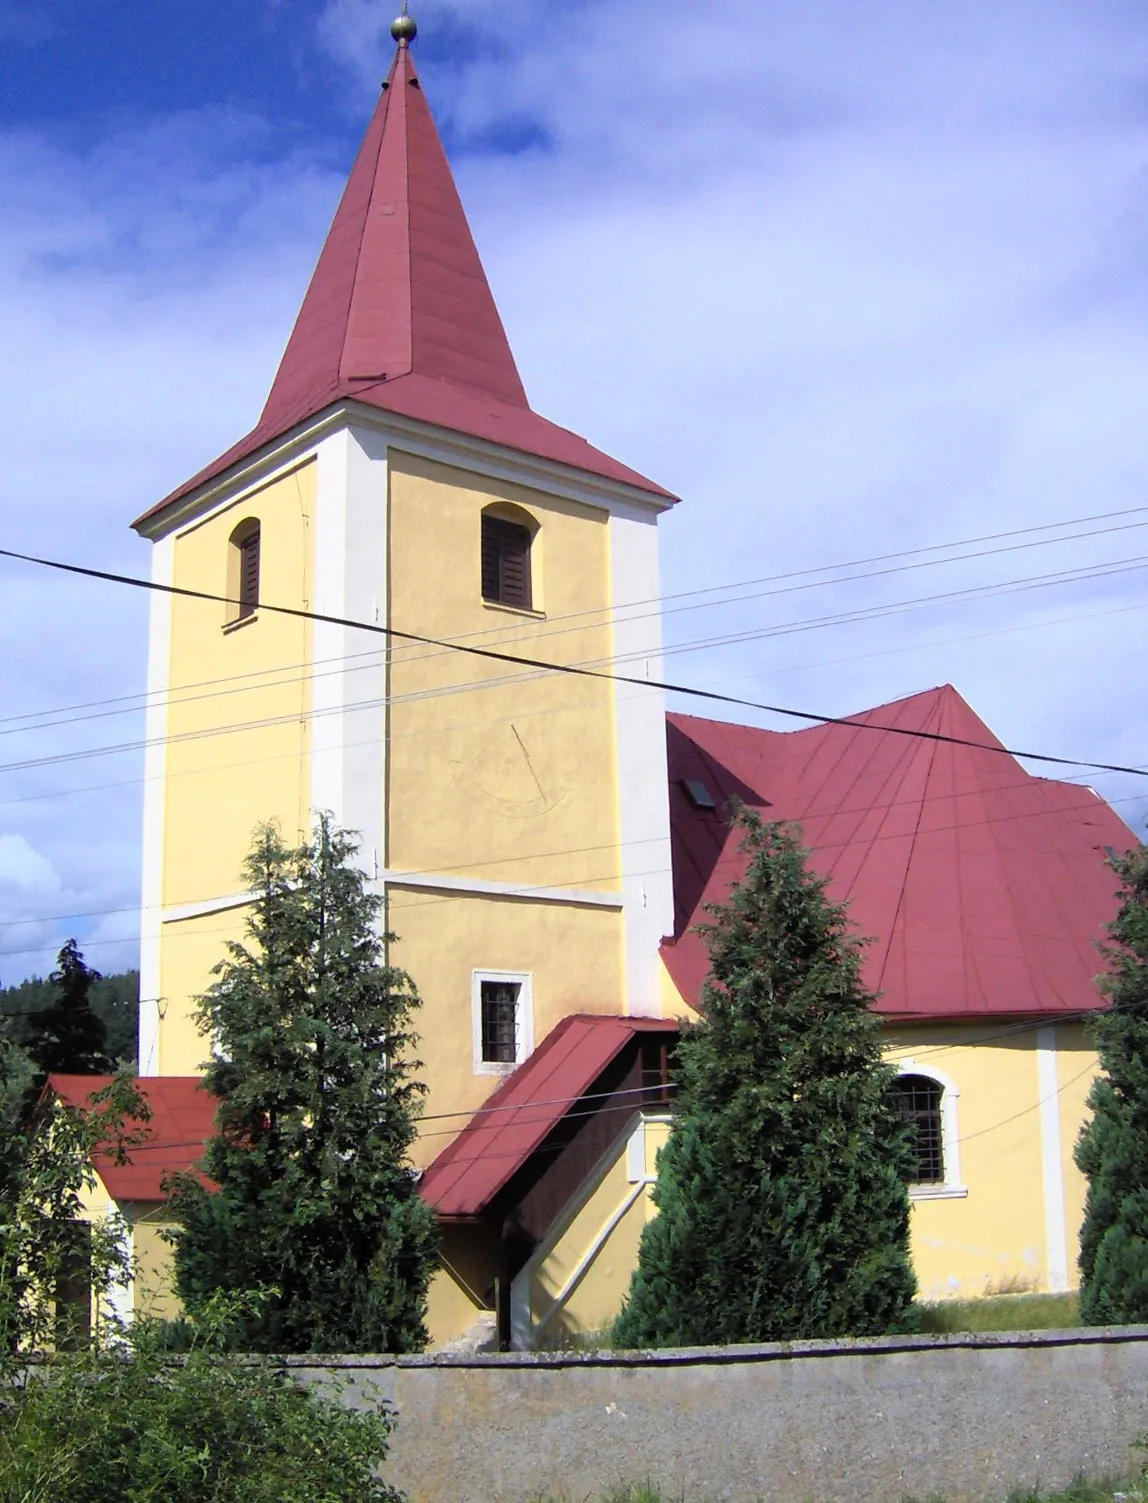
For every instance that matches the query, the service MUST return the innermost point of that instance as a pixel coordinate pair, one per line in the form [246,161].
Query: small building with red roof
[170,1141]
[367,606]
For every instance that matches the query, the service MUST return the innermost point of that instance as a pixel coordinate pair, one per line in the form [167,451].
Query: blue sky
[851,279]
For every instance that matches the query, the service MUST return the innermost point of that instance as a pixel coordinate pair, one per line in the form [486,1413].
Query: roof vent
[698,794]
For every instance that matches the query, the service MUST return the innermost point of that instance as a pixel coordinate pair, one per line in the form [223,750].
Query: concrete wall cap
[858,1346]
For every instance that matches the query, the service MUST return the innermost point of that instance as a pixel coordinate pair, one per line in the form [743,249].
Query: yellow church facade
[345,598]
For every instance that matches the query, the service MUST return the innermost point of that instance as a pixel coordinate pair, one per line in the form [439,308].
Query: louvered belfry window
[919,1100]
[248,546]
[505,562]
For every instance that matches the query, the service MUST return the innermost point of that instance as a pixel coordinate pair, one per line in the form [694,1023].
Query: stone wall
[868,1421]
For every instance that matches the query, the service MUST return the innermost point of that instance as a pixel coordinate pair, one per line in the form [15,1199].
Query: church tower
[515,817]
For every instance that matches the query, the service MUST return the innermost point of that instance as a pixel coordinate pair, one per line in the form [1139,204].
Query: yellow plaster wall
[222,780]
[460,1289]
[573,955]
[154,1291]
[1076,1067]
[995,1238]
[189,950]
[496,771]
[596,1298]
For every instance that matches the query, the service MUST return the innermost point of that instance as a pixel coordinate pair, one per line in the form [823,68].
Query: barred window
[919,1101]
[506,562]
[500,1022]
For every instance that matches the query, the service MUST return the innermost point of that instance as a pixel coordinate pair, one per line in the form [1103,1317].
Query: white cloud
[25,869]
[852,279]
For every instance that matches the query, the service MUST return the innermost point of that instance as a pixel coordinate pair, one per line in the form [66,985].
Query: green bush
[135,1425]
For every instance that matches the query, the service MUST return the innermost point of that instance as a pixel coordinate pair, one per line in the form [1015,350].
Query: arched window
[506,548]
[919,1101]
[243,570]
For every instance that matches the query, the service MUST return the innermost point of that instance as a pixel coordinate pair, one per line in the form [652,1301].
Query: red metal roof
[985,888]
[399,314]
[525,1108]
[182,1115]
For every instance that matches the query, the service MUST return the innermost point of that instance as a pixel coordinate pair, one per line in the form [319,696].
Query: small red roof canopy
[985,888]
[399,314]
[182,1117]
[525,1108]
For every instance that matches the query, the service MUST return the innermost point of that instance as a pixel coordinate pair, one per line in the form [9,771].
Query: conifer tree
[782,1203]
[1113,1146]
[318,1103]
[67,1036]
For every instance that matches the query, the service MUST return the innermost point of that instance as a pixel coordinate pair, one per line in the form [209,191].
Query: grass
[994,1312]
[1003,1312]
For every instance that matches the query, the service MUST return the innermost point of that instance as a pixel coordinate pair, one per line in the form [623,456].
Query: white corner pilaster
[640,719]
[349,676]
[1052,1161]
[155,785]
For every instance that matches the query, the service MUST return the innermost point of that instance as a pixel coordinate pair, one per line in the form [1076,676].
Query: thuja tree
[782,1203]
[1113,1146]
[314,1198]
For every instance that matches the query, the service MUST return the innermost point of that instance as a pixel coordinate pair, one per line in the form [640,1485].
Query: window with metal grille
[248,547]
[499,1005]
[919,1101]
[505,562]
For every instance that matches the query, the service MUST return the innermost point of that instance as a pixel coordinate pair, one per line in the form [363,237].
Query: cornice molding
[463,451]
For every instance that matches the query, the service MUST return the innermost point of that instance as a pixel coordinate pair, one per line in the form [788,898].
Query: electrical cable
[44,795]
[543,666]
[852,617]
[614,609]
[486,1156]
[492,861]
[847,618]
[539,891]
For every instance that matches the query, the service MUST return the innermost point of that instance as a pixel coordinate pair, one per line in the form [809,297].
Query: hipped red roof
[182,1116]
[985,889]
[525,1108]
[399,314]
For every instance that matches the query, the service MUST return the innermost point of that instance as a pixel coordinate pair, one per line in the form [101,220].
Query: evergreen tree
[113,999]
[783,1210]
[315,1197]
[67,1036]
[1113,1146]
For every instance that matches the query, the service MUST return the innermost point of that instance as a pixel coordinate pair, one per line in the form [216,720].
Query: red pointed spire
[399,287]
[399,314]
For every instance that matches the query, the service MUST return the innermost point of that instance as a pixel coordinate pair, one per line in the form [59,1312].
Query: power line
[493,654]
[851,617]
[45,795]
[1024,1111]
[491,861]
[426,874]
[486,1156]
[506,633]
[879,611]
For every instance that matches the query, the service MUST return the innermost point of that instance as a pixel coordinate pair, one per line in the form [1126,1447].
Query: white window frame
[523,1022]
[952,1187]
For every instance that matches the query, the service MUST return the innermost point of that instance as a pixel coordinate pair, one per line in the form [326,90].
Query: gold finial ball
[403,29]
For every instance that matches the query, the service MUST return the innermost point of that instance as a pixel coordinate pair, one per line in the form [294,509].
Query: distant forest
[115,999]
